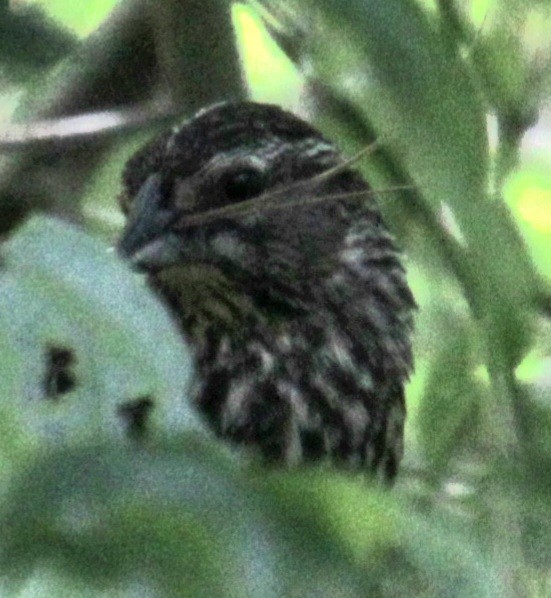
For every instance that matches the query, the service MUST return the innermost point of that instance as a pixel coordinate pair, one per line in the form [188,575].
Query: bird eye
[166,190]
[243,184]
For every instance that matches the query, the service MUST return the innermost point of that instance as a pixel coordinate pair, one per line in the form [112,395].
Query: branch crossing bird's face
[224,213]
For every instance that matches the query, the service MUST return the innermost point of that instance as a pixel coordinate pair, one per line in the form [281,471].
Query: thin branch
[273,203]
[118,66]
[87,126]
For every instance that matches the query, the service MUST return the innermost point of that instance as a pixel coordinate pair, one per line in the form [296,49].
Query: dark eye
[166,190]
[243,184]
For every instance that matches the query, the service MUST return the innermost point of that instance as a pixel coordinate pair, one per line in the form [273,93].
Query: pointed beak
[147,240]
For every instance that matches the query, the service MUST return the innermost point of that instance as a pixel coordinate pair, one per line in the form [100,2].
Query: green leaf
[164,520]
[448,413]
[182,518]
[62,289]
[412,87]
[400,549]
[177,519]
[30,42]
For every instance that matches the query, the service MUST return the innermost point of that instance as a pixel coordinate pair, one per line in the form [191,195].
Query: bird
[269,250]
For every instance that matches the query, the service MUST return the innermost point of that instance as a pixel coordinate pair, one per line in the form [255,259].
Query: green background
[458,94]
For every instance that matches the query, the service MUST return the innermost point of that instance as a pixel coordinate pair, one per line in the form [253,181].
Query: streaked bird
[270,251]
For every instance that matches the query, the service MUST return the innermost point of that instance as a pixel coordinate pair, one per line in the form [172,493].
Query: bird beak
[147,241]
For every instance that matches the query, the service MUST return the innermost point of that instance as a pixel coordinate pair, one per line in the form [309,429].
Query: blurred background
[458,96]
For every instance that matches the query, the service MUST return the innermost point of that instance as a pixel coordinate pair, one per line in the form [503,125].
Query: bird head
[232,196]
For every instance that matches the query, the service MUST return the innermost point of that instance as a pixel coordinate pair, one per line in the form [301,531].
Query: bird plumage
[297,311]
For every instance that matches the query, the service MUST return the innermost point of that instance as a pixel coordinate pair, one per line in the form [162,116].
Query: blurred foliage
[100,496]
[29,42]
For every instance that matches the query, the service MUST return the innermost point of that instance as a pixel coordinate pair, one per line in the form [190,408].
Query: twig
[91,125]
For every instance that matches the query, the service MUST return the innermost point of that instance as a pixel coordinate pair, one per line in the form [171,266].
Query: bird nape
[272,255]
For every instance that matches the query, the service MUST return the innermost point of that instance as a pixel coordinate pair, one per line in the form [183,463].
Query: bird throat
[203,297]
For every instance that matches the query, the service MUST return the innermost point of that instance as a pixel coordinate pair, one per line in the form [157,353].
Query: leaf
[448,413]
[179,517]
[411,86]
[400,549]
[62,289]
[30,42]
[183,516]
[103,514]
